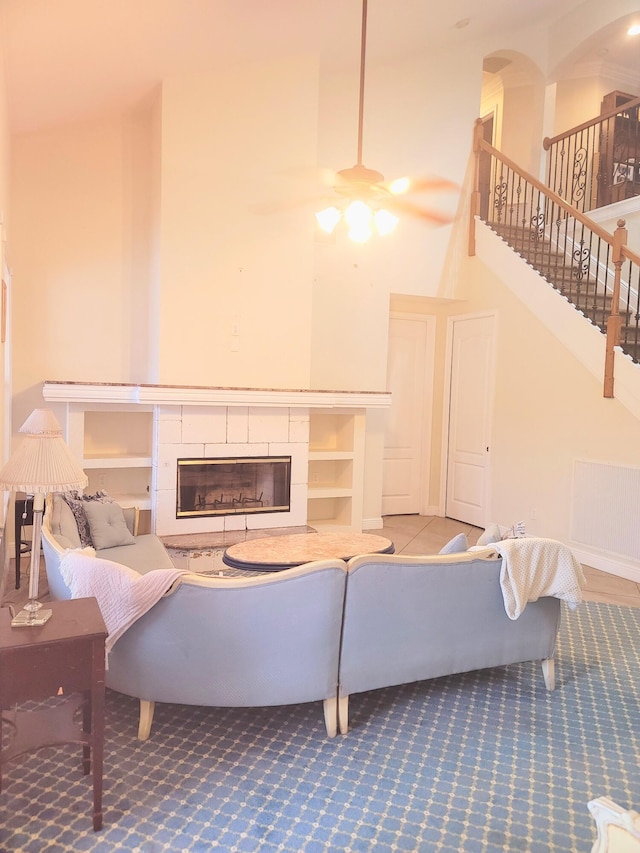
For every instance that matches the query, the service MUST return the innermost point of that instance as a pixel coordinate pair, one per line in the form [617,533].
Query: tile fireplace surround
[190,421]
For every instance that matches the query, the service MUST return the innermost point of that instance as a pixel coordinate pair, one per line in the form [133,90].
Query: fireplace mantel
[196,395]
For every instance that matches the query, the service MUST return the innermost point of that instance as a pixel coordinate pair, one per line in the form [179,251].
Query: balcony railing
[598,162]
[592,268]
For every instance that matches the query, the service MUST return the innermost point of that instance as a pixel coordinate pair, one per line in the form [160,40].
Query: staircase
[569,278]
[593,269]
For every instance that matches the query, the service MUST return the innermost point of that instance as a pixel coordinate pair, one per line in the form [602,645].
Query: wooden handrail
[566,207]
[548,142]
[627,253]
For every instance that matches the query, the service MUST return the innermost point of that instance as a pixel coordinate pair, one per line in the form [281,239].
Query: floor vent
[606,508]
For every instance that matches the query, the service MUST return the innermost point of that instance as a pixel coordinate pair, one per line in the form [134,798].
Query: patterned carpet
[487,761]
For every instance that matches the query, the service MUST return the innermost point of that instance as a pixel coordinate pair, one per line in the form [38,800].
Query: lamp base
[31,618]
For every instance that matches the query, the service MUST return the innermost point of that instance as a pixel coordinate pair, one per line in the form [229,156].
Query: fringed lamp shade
[42,462]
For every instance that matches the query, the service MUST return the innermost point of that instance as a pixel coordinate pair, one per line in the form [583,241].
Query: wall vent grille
[606,508]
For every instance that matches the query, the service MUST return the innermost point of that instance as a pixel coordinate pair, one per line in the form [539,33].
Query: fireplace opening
[236,486]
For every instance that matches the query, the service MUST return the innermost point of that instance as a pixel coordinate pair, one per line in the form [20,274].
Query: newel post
[475,194]
[614,320]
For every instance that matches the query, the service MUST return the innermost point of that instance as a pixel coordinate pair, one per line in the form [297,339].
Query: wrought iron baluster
[561,187]
[581,262]
[500,197]
[537,224]
[579,182]
[516,197]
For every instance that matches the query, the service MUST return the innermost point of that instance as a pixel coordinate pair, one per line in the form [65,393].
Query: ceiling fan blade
[405,186]
[402,206]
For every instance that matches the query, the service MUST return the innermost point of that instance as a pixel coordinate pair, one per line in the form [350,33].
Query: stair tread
[554,266]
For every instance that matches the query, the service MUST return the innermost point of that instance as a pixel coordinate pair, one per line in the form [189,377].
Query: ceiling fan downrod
[359,174]
[363,53]
[360,184]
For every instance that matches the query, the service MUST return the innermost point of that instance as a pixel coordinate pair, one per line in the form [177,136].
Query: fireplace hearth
[233,486]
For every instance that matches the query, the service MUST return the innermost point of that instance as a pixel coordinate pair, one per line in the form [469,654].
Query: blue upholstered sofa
[413,618]
[255,641]
[322,631]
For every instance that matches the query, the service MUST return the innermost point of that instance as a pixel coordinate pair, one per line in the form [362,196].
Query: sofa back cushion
[132,518]
[63,523]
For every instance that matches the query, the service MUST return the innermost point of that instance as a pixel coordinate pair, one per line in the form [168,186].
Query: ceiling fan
[367,199]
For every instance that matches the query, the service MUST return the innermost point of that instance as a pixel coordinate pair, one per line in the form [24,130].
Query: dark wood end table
[64,656]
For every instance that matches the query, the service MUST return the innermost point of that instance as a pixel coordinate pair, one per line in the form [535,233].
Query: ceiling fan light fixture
[328,218]
[400,185]
[358,216]
[362,196]
[385,222]
[360,233]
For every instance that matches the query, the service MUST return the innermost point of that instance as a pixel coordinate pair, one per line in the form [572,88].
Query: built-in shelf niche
[336,467]
[116,451]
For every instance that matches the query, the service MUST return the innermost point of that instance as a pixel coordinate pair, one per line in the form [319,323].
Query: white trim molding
[186,395]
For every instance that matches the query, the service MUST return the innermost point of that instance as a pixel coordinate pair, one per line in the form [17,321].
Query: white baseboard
[372,523]
[607,563]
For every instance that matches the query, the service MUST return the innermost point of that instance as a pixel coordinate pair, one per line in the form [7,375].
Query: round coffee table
[274,553]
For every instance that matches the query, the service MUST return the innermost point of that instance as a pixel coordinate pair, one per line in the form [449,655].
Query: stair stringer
[581,337]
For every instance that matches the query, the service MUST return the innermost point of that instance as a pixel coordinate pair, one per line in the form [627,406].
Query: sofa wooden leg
[146,718]
[343,714]
[331,716]
[549,673]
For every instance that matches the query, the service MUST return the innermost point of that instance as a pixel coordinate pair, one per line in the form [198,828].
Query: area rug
[486,761]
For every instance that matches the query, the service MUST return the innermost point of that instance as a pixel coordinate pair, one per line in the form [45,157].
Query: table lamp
[41,463]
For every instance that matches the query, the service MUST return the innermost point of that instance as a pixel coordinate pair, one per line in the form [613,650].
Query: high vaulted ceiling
[67,59]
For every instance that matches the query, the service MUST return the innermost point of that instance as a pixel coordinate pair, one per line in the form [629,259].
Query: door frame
[446,404]
[426,443]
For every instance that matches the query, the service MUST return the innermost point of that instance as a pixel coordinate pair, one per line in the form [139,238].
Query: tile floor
[417,534]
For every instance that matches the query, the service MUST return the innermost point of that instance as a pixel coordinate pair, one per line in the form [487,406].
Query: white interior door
[408,435]
[472,367]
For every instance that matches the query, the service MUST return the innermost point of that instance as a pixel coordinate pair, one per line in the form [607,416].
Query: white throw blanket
[533,567]
[123,595]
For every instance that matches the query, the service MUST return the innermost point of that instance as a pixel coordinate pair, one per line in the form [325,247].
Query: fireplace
[206,423]
[233,486]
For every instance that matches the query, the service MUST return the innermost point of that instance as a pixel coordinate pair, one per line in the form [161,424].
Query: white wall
[135,257]
[235,283]
[626,210]
[548,412]
[577,100]
[74,256]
